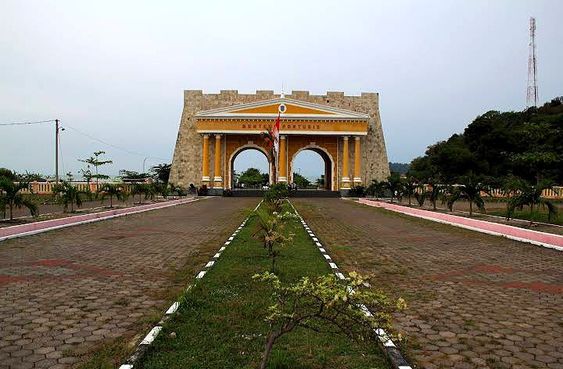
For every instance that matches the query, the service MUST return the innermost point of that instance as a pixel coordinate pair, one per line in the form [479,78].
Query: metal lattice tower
[532,93]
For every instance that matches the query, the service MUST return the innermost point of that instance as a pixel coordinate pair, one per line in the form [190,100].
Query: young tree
[435,193]
[251,177]
[97,161]
[394,184]
[531,195]
[409,188]
[161,172]
[325,304]
[10,193]
[270,231]
[376,188]
[300,181]
[67,194]
[87,174]
[112,191]
[470,188]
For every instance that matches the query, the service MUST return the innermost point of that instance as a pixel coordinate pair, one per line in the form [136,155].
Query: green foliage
[357,191]
[420,197]
[410,185]
[111,191]
[271,229]
[325,303]
[301,181]
[395,185]
[96,161]
[276,191]
[67,194]
[252,177]
[527,144]
[376,188]
[11,196]
[401,168]
[470,189]
[161,172]
[7,173]
[531,195]
[132,176]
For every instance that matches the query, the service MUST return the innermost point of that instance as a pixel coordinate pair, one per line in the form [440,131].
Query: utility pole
[57,150]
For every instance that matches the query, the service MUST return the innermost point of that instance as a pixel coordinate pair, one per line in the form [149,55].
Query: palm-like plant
[67,194]
[409,188]
[11,195]
[112,191]
[470,189]
[531,195]
[138,189]
[376,188]
[395,184]
[435,193]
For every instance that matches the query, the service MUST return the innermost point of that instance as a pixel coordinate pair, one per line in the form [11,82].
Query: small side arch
[330,168]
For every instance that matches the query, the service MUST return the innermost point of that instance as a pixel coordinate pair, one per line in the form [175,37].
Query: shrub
[202,191]
[276,192]
[358,191]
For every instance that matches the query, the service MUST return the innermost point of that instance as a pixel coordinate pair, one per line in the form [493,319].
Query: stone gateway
[345,130]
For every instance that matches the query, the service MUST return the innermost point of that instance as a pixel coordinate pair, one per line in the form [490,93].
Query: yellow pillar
[345,170]
[218,180]
[205,170]
[282,160]
[357,161]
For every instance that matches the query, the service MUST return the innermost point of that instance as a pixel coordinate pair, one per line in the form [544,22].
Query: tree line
[518,153]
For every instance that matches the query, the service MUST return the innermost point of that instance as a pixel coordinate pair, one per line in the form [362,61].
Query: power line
[27,123]
[109,144]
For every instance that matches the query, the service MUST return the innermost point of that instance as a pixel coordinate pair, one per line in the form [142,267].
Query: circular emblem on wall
[282,108]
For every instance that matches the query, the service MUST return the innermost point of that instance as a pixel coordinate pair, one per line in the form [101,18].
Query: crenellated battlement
[365,156]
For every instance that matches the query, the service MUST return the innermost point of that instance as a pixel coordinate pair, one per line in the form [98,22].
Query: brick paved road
[63,293]
[475,301]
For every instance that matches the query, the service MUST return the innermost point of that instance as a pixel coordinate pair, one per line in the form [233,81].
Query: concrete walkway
[515,233]
[48,225]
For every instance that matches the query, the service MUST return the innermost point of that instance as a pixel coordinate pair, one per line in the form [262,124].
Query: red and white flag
[276,134]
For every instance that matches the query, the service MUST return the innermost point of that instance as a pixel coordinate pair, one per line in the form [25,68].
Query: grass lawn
[536,216]
[221,324]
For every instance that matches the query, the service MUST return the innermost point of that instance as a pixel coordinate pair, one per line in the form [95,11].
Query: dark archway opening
[315,165]
[250,169]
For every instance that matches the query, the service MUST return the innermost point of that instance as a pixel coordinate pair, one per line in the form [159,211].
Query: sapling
[326,304]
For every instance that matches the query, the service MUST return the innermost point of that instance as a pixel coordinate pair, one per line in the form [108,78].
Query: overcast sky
[116,70]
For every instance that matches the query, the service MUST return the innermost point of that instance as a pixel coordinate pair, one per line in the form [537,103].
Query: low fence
[554,193]
[46,188]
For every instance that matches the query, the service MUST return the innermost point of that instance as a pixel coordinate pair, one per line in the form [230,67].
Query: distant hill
[401,168]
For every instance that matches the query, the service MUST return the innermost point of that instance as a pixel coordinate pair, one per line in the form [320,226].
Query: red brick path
[475,301]
[65,291]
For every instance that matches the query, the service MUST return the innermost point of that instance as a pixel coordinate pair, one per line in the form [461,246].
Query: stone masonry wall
[187,161]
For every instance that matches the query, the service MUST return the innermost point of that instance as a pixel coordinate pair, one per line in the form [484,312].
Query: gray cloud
[117,70]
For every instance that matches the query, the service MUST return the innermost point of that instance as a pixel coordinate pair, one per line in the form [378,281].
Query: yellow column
[218,180]
[345,170]
[205,171]
[282,161]
[357,161]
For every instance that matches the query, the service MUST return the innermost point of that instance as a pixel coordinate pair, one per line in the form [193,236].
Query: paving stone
[471,292]
[90,278]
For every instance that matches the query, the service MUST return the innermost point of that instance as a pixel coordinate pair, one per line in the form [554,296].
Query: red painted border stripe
[46,225]
[526,235]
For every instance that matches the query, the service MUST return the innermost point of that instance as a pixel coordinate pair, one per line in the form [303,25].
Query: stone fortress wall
[187,160]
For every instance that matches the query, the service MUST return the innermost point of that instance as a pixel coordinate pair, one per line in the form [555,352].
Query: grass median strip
[220,323]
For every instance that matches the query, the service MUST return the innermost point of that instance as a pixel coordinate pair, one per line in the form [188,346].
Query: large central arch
[330,167]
